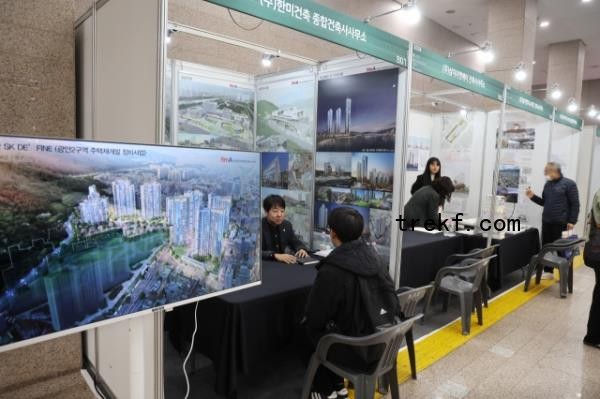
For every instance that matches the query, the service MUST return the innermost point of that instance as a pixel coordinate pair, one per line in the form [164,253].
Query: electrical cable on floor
[187,380]
[240,26]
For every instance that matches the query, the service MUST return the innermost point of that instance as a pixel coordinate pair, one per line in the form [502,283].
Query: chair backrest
[479,266]
[411,298]
[562,244]
[389,336]
[477,253]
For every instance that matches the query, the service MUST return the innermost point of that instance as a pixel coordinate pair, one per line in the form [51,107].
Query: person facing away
[353,293]
[425,204]
[433,171]
[592,337]
[560,200]
[278,235]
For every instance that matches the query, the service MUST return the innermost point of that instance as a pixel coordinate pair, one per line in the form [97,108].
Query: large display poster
[215,113]
[286,114]
[91,231]
[356,130]
[285,134]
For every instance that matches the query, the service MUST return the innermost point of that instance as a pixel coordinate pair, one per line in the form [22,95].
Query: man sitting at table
[278,234]
[353,293]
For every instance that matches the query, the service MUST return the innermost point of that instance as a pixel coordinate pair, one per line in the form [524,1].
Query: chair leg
[393,379]
[479,308]
[538,274]
[528,274]
[446,301]
[563,269]
[365,387]
[466,308]
[313,365]
[410,346]
[571,277]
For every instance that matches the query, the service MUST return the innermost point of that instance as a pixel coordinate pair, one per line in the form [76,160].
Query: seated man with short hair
[278,235]
[353,294]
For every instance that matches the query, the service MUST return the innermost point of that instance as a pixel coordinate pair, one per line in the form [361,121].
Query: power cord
[243,27]
[187,380]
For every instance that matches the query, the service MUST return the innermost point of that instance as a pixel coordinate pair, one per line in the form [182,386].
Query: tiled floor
[535,352]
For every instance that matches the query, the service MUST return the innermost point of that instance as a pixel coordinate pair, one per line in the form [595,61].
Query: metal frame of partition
[314,19]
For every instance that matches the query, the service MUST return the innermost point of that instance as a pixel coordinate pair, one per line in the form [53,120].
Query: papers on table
[324,252]
[423,230]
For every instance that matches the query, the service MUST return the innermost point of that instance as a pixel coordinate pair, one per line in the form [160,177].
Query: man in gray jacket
[560,200]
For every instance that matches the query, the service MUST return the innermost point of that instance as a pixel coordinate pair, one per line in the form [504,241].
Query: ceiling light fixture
[572,106]
[409,9]
[486,51]
[586,1]
[168,37]
[520,72]
[555,92]
[267,60]
[592,112]
[463,112]
[544,23]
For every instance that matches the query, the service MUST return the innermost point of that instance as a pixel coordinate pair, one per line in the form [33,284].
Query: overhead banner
[316,20]
[568,120]
[432,64]
[529,103]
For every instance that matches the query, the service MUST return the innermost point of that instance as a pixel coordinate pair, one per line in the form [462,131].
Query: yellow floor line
[447,339]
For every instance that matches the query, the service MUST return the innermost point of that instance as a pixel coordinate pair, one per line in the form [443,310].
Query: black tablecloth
[424,254]
[515,252]
[238,331]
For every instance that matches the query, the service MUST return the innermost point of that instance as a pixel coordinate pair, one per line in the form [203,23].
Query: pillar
[565,67]
[512,26]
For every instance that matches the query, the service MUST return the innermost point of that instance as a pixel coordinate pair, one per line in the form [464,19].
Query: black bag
[591,251]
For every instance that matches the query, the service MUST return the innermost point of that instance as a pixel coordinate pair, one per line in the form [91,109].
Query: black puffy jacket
[560,200]
[350,291]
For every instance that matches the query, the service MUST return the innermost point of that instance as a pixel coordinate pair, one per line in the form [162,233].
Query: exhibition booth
[232,101]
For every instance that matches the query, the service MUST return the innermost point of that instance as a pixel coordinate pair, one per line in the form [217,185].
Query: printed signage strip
[569,120]
[526,102]
[319,21]
[436,66]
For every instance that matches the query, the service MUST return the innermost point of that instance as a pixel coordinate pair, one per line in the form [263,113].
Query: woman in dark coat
[424,204]
[433,171]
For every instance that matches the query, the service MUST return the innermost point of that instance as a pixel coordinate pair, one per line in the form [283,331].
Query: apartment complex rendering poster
[518,136]
[418,152]
[215,113]
[358,112]
[275,172]
[285,115]
[91,231]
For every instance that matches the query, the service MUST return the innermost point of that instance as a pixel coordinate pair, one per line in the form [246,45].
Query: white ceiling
[569,19]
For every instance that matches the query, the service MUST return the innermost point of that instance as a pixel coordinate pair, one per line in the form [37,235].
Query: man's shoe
[319,395]
[589,342]
[548,276]
[342,393]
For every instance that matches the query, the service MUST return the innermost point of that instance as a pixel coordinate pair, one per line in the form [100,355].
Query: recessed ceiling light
[450,11]
[544,23]
[586,1]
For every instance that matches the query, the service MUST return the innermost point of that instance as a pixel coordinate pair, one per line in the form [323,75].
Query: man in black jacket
[352,295]
[560,200]
[278,235]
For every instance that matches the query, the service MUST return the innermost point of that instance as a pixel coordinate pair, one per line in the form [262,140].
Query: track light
[592,112]
[555,92]
[487,52]
[409,10]
[267,60]
[520,72]
[463,112]
[168,37]
[572,106]
[544,23]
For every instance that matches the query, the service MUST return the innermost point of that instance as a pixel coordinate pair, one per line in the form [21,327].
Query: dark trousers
[593,327]
[550,233]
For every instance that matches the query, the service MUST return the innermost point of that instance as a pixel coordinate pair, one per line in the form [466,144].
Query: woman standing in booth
[433,171]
